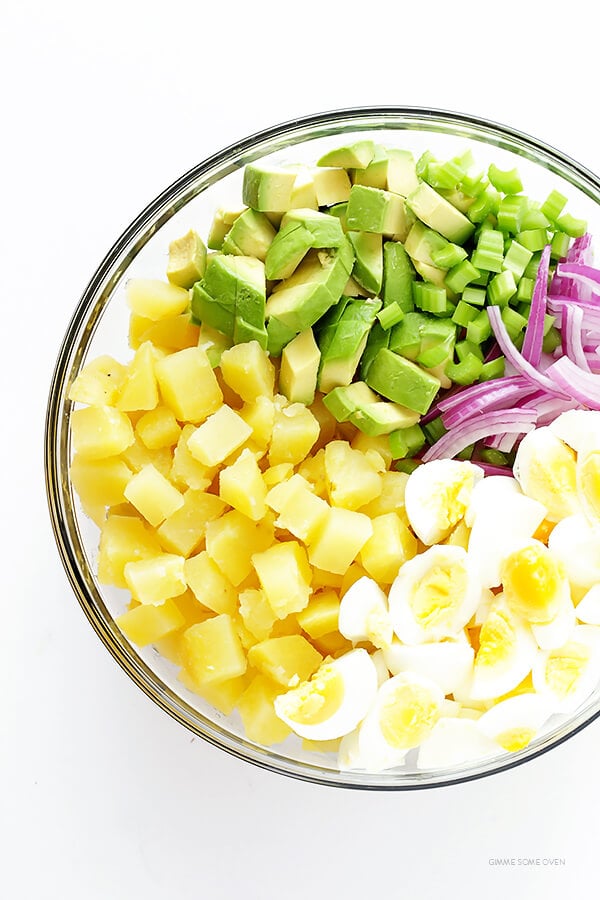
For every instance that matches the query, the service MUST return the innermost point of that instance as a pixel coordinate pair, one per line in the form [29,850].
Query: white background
[102,106]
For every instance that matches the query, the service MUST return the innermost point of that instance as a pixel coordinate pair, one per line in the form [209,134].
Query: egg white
[585,678]
[437,495]
[576,544]
[546,470]
[517,719]
[448,663]
[453,742]
[510,663]
[364,615]
[579,428]
[588,608]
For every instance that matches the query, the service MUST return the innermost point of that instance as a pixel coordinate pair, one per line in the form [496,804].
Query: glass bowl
[100,324]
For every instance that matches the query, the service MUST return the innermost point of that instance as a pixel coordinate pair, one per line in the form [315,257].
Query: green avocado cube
[268,188]
[353,156]
[340,359]
[436,212]
[383,417]
[398,276]
[187,260]
[375,210]
[207,310]
[368,265]
[402,381]
[326,230]
[422,242]
[250,235]
[401,172]
[343,401]
[375,174]
[299,368]
[291,244]
[378,338]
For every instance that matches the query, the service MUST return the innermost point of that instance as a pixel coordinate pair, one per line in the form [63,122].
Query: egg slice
[363,614]
[514,723]
[333,701]
[555,633]
[567,675]
[501,518]
[381,668]
[453,742]
[405,710]
[588,608]
[534,583]
[545,467]
[576,544]
[434,595]
[506,653]
[588,483]
[579,428]
[437,496]
[448,663]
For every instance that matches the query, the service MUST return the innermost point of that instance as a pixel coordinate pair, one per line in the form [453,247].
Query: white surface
[102,795]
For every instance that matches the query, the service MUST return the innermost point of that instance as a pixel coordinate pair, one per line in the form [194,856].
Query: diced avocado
[207,310]
[375,174]
[377,339]
[375,210]
[299,368]
[187,260]
[231,295]
[339,211]
[432,274]
[214,343]
[398,276]
[222,221]
[439,214]
[421,242]
[340,359]
[304,195]
[406,441]
[458,199]
[326,230]
[405,337]
[402,381]
[354,289]
[343,401]
[354,156]
[290,246]
[326,327]
[368,265]
[423,339]
[250,235]
[332,185]
[401,172]
[268,188]
[278,335]
[244,331]
[383,417]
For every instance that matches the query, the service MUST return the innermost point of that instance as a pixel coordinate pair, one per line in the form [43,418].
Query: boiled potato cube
[259,415]
[391,498]
[174,333]
[190,608]
[186,471]
[156,579]
[287,660]
[248,371]
[313,470]
[295,430]
[282,493]
[100,482]
[137,456]
[380,444]
[321,615]
[139,390]
[256,613]
[123,539]
[211,651]
[301,512]
[208,584]
[153,495]
[353,479]
[323,579]
[285,576]
[241,485]
[276,474]
[331,746]
[222,434]
[184,530]
[351,575]
[340,539]
[100,431]
[231,541]
[188,385]
[158,428]
[146,624]
[459,537]
[333,644]
[391,545]
[156,299]
[224,695]
[98,382]
[255,706]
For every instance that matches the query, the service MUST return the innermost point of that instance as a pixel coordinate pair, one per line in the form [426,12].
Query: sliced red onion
[572,325]
[489,469]
[580,250]
[517,421]
[579,271]
[534,332]
[483,388]
[499,398]
[582,387]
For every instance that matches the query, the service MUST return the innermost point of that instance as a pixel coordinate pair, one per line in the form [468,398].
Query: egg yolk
[451,501]
[436,597]
[589,474]
[532,578]
[407,716]
[497,640]
[515,738]
[379,629]
[316,700]
[564,668]
[551,479]
[523,687]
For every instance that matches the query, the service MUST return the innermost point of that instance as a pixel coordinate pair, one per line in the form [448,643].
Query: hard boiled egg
[579,428]
[545,467]
[448,663]
[513,723]
[335,699]
[453,742]
[363,614]
[506,653]
[567,675]
[588,608]
[434,595]
[576,544]
[437,496]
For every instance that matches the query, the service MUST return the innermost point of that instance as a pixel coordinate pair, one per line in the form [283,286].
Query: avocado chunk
[340,358]
[402,381]
[187,260]
[378,338]
[423,339]
[208,311]
[375,174]
[339,211]
[406,441]
[250,235]
[299,368]
[421,242]
[401,172]
[214,343]
[326,230]
[358,404]
[304,194]
[354,156]
[375,210]
[231,297]
[398,276]
[435,211]
[343,401]
[368,265]
[300,230]
[268,188]
[222,221]
[332,185]
[433,274]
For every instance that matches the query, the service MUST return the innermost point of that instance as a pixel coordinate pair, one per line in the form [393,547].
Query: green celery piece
[553,205]
[461,275]
[511,209]
[464,348]
[423,163]
[514,321]
[474,296]
[444,175]
[559,245]
[548,323]
[493,457]
[479,330]
[489,251]
[534,239]
[533,266]
[448,256]
[428,297]
[486,203]
[525,289]
[508,182]
[407,465]
[466,371]
[501,288]
[492,369]
[552,340]
[533,217]
[463,314]
[433,430]
[406,441]
[390,315]
[466,453]
[517,258]
[571,226]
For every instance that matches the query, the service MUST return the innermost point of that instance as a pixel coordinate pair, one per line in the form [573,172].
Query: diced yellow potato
[295,430]
[281,494]
[323,579]
[100,482]
[158,428]
[146,624]
[287,660]
[259,415]
[350,576]
[138,329]
[122,509]
[391,498]
[313,469]
[156,579]
[186,471]
[255,706]
[156,299]
[459,537]
[285,576]
[327,424]
[98,382]
[188,385]
[332,746]
[169,646]
[248,371]
[98,432]
[123,539]
[285,627]
[224,695]
[277,474]
[246,637]
[153,495]
[321,615]
[190,608]
[379,443]
[256,612]
[139,390]
[340,539]
[218,437]
[208,584]
[211,651]
[301,512]
[184,530]
[231,541]
[138,455]
[241,485]
[333,644]
[391,545]
[174,333]
[353,479]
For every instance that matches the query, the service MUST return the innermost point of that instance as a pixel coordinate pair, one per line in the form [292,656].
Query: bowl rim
[71,351]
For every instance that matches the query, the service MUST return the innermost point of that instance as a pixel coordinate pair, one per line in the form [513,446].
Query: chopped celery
[489,251]
[428,297]
[525,289]
[486,203]
[492,369]
[406,441]
[535,239]
[463,348]
[533,217]
[493,457]
[466,453]
[390,315]
[466,371]
[448,256]
[407,465]
[433,430]
[508,182]
[571,226]
[444,175]
[475,296]
[548,323]
[516,258]
[510,212]
[474,185]
[463,314]
[461,275]
[479,330]
[559,246]
[514,321]
[552,340]
[533,266]
[501,288]
[553,205]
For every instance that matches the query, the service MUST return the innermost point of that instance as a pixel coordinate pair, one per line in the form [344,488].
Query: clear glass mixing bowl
[99,325]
